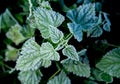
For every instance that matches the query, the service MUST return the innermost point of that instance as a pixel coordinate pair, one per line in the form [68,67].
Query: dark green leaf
[110,63]
[60,79]
[76,67]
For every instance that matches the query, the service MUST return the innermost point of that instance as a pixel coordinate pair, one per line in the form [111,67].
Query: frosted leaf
[55,34]
[76,67]
[110,63]
[15,34]
[29,58]
[60,79]
[44,18]
[30,77]
[48,52]
[70,52]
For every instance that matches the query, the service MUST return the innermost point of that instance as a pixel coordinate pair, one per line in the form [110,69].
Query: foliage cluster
[44,39]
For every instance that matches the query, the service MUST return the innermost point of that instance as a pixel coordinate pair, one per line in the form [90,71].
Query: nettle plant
[51,47]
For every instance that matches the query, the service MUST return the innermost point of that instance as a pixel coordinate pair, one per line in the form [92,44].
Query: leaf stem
[3,64]
[30,9]
[55,74]
[112,45]
[69,36]
[64,42]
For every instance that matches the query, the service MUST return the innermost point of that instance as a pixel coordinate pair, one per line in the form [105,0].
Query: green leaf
[27,31]
[29,58]
[110,63]
[60,79]
[46,63]
[45,4]
[48,52]
[90,82]
[76,67]
[106,77]
[76,30]
[11,53]
[15,35]
[0,22]
[32,56]
[30,77]
[44,18]
[84,15]
[96,74]
[70,52]
[7,20]
[101,76]
[83,56]
[55,34]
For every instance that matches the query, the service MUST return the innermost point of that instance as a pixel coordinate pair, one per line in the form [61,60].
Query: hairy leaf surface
[11,53]
[76,30]
[110,63]
[7,20]
[48,52]
[29,58]
[60,79]
[44,18]
[76,67]
[15,35]
[83,15]
[55,34]
[30,77]
[70,52]
[107,25]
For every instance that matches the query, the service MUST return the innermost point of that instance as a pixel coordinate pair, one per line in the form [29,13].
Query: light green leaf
[44,18]
[46,63]
[29,58]
[30,77]
[45,4]
[60,79]
[76,67]
[70,52]
[15,35]
[110,63]
[11,53]
[55,34]
[48,52]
